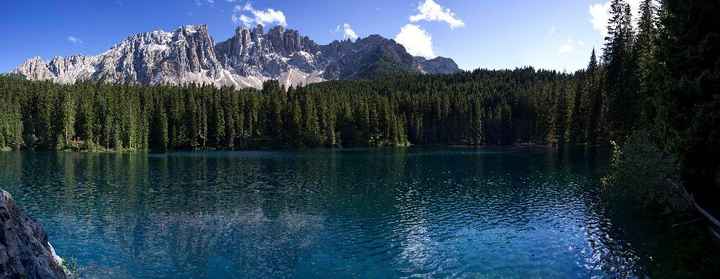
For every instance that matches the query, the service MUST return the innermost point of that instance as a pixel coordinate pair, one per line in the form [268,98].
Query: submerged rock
[24,248]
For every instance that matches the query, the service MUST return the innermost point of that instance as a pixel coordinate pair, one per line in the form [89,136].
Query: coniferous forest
[661,78]
[479,108]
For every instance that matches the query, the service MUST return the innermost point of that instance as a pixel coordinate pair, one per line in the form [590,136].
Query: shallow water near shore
[360,213]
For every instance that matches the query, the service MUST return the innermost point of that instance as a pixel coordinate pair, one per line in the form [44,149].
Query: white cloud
[431,11]
[248,16]
[74,40]
[552,31]
[566,48]
[570,46]
[416,41]
[600,15]
[200,3]
[348,32]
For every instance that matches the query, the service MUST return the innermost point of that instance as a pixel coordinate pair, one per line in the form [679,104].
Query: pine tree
[648,68]
[579,111]
[596,100]
[311,125]
[618,59]
[86,119]
[229,101]
[296,125]
[560,121]
[476,125]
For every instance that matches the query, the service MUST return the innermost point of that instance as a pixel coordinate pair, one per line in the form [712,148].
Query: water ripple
[459,213]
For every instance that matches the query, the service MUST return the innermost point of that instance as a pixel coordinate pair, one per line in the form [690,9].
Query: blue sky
[554,34]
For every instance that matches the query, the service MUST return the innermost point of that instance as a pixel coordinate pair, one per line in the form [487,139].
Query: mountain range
[249,58]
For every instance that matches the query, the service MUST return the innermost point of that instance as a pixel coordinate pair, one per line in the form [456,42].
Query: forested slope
[478,108]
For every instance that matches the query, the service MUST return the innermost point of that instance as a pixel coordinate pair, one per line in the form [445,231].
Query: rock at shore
[24,248]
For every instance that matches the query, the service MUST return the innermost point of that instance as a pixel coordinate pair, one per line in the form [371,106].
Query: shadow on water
[429,212]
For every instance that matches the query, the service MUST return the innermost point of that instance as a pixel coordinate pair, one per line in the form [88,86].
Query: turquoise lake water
[388,213]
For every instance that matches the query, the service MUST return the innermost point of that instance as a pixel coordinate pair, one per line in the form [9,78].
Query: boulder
[24,248]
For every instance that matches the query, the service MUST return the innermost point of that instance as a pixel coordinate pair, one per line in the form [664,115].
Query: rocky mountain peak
[374,38]
[258,31]
[437,65]
[277,29]
[191,29]
[35,68]
[190,55]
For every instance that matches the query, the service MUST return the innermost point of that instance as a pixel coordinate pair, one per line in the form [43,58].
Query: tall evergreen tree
[618,58]
[648,68]
[596,100]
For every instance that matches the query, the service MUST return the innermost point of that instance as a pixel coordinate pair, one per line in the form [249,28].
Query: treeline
[479,108]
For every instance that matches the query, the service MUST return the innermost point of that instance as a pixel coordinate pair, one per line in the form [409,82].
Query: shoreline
[483,146]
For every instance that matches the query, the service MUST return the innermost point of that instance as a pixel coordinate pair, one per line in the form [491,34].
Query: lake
[357,213]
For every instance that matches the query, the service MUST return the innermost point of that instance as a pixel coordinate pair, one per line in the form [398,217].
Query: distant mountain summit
[252,56]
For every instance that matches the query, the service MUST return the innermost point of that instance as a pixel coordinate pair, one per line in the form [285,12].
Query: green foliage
[71,268]
[641,174]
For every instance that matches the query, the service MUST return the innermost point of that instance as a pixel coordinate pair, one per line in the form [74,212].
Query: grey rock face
[271,55]
[438,65]
[366,58]
[250,57]
[24,248]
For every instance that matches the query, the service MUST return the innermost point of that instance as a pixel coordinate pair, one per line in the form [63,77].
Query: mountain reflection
[351,213]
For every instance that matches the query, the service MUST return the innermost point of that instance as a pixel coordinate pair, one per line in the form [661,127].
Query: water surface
[477,213]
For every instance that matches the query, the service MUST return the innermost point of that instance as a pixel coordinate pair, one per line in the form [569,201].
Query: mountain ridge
[247,59]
